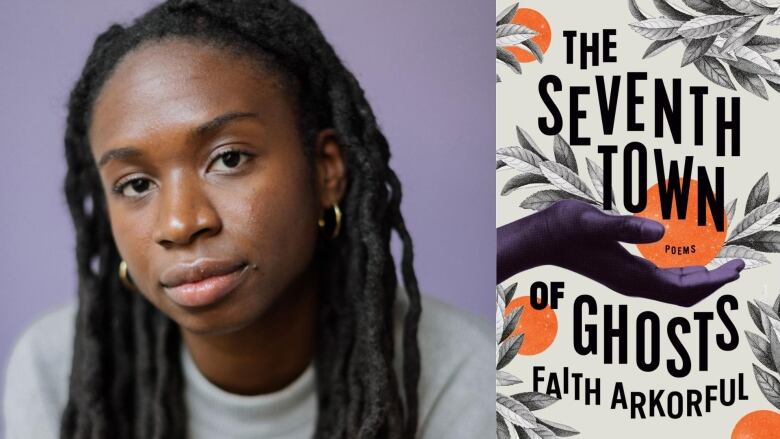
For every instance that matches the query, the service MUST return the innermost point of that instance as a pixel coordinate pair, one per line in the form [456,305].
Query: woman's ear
[330,168]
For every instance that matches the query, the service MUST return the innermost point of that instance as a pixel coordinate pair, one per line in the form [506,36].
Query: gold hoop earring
[125,278]
[336,222]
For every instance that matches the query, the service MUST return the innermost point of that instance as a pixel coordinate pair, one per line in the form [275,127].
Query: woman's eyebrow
[200,131]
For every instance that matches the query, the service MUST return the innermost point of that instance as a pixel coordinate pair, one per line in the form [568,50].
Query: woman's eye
[134,188]
[229,160]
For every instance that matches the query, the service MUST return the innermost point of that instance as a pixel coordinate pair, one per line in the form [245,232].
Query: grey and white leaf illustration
[528,143]
[657,28]
[657,47]
[750,61]
[670,11]
[505,16]
[563,153]
[771,4]
[542,432]
[774,343]
[635,11]
[731,209]
[501,294]
[506,379]
[752,258]
[774,20]
[534,49]
[716,50]
[710,7]
[510,323]
[597,178]
[499,322]
[696,49]
[758,220]
[777,305]
[746,7]
[502,429]
[743,33]
[507,58]
[544,199]
[509,292]
[514,412]
[708,25]
[500,164]
[760,348]
[521,180]
[771,315]
[769,385]
[766,241]
[559,429]
[563,178]
[535,400]
[507,350]
[755,314]
[750,82]
[759,194]
[520,159]
[714,70]
[763,43]
[513,34]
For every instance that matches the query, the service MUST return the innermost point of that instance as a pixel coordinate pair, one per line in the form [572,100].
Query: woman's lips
[207,290]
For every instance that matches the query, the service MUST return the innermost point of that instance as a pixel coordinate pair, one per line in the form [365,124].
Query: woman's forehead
[174,82]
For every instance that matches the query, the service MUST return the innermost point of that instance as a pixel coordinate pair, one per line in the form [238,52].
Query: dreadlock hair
[126,379]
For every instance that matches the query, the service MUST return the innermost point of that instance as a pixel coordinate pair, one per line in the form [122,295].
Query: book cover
[637,197]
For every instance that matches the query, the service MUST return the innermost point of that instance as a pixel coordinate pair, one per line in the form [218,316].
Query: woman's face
[212,202]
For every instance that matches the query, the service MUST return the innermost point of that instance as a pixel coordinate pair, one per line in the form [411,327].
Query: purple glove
[579,237]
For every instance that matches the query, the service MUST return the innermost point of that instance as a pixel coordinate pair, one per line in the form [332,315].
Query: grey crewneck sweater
[456,384]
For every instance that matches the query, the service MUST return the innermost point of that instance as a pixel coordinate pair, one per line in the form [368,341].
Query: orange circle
[536,21]
[761,424]
[540,326]
[685,242]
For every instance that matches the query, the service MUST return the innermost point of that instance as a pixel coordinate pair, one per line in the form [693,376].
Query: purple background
[426,67]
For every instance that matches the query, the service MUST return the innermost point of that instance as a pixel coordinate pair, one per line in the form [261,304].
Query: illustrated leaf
[510,323]
[769,385]
[513,34]
[507,58]
[772,4]
[502,429]
[751,257]
[544,199]
[563,153]
[774,343]
[520,159]
[777,305]
[500,164]
[714,70]
[635,11]
[708,25]
[731,209]
[704,6]
[563,178]
[760,348]
[514,412]
[657,28]
[535,400]
[559,429]
[755,314]
[521,180]
[509,293]
[528,143]
[501,294]
[506,378]
[696,49]
[750,82]
[544,432]
[767,241]
[743,33]
[750,61]
[597,178]
[499,322]
[775,85]
[534,49]
[759,195]
[657,47]
[774,20]
[670,11]
[770,313]
[763,43]
[508,350]
[505,16]
[759,219]
[746,7]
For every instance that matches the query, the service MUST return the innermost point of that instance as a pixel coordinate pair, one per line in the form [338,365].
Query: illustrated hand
[579,237]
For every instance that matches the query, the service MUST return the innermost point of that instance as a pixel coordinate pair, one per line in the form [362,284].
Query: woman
[233,207]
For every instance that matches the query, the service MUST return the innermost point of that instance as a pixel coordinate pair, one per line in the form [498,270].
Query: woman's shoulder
[457,355]
[36,377]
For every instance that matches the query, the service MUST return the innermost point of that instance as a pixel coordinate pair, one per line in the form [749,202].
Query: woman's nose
[185,212]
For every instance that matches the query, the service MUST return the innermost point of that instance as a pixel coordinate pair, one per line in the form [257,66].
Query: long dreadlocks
[126,379]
